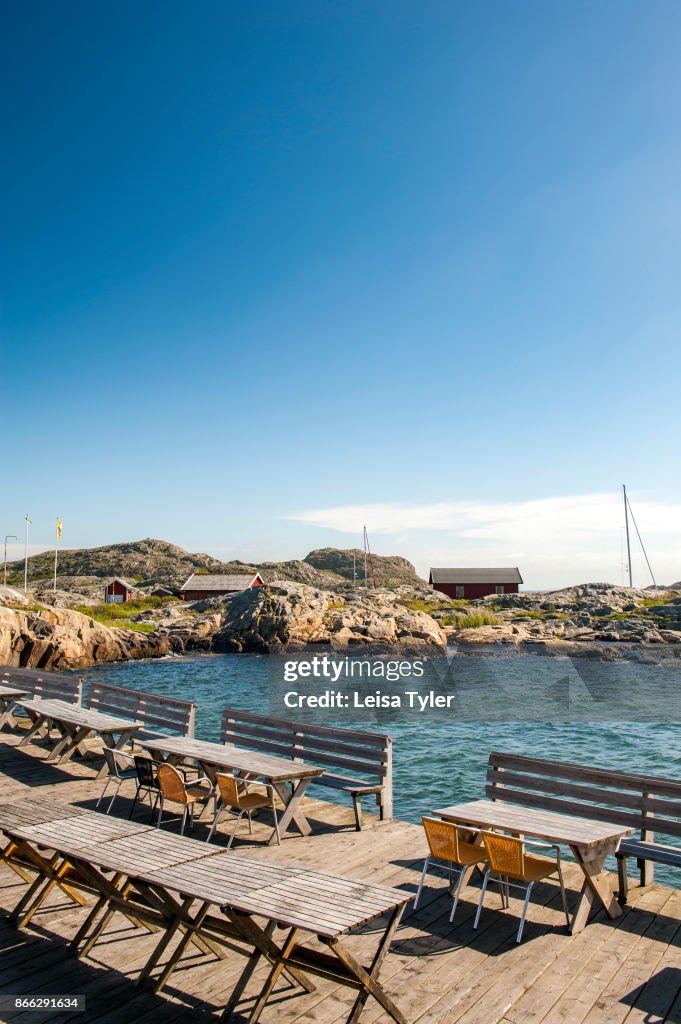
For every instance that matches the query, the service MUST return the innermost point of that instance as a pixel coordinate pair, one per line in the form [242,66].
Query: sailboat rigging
[629,512]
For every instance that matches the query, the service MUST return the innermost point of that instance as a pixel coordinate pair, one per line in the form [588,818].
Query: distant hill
[140,560]
[388,570]
[157,561]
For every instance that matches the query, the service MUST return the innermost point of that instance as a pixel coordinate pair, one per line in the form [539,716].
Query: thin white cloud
[558,540]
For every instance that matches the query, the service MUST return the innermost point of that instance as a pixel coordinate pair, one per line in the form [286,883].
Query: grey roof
[505,575]
[119,579]
[202,581]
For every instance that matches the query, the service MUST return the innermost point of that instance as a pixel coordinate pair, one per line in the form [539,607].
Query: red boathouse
[472,583]
[200,586]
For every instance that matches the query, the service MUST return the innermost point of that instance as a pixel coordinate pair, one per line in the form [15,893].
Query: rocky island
[313,600]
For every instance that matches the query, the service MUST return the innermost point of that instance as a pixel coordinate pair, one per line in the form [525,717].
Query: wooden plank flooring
[622,972]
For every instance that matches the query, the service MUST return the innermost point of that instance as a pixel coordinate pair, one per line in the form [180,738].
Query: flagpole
[26,557]
[56,549]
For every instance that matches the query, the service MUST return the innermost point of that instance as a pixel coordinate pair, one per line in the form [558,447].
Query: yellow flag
[59,529]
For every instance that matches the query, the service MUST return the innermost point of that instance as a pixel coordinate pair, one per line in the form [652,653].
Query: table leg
[6,716]
[50,873]
[263,946]
[596,885]
[188,936]
[293,810]
[38,721]
[369,978]
[245,976]
[276,970]
[6,857]
[72,741]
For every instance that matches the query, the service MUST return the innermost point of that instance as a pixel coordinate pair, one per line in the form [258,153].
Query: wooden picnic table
[289,778]
[9,695]
[172,882]
[309,904]
[75,725]
[590,842]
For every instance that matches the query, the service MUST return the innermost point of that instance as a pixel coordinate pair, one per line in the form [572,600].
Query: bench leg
[623,878]
[357,805]
[647,872]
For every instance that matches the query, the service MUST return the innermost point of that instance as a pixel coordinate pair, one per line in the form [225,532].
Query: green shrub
[471,620]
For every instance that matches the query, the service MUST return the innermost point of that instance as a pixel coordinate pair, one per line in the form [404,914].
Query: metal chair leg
[276,821]
[457,893]
[423,878]
[564,897]
[115,794]
[160,813]
[236,825]
[216,819]
[522,916]
[184,820]
[106,786]
[482,899]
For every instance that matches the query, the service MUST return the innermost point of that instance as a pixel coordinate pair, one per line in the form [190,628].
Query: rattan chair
[174,788]
[119,772]
[513,868]
[237,795]
[450,847]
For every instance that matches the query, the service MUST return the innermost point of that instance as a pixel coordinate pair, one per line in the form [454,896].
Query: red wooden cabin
[472,583]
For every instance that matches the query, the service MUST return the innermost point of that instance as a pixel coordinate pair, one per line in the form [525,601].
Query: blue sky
[274,270]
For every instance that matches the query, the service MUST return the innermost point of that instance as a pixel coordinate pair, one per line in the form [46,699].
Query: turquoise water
[436,762]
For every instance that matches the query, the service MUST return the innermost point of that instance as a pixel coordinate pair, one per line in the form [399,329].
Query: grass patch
[115,614]
[471,620]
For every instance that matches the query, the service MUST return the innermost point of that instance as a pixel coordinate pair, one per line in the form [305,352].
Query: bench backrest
[157,713]
[49,685]
[349,752]
[642,802]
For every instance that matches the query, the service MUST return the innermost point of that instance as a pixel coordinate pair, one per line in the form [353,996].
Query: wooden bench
[648,804]
[157,714]
[48,685]
[362,761]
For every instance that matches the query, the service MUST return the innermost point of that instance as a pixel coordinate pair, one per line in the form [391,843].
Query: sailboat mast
[626,521]
[366,579]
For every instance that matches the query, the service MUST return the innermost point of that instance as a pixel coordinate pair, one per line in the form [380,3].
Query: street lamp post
[8,536]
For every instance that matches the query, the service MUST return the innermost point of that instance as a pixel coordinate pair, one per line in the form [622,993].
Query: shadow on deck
[614,971]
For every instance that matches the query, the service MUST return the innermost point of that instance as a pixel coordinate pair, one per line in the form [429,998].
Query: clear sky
[274,270]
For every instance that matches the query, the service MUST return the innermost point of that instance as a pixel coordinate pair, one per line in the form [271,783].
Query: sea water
[438,762]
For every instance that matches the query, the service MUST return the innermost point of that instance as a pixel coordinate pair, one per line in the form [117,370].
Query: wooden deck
[626,970]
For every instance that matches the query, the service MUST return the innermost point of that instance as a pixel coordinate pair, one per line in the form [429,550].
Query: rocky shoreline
[595,620]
